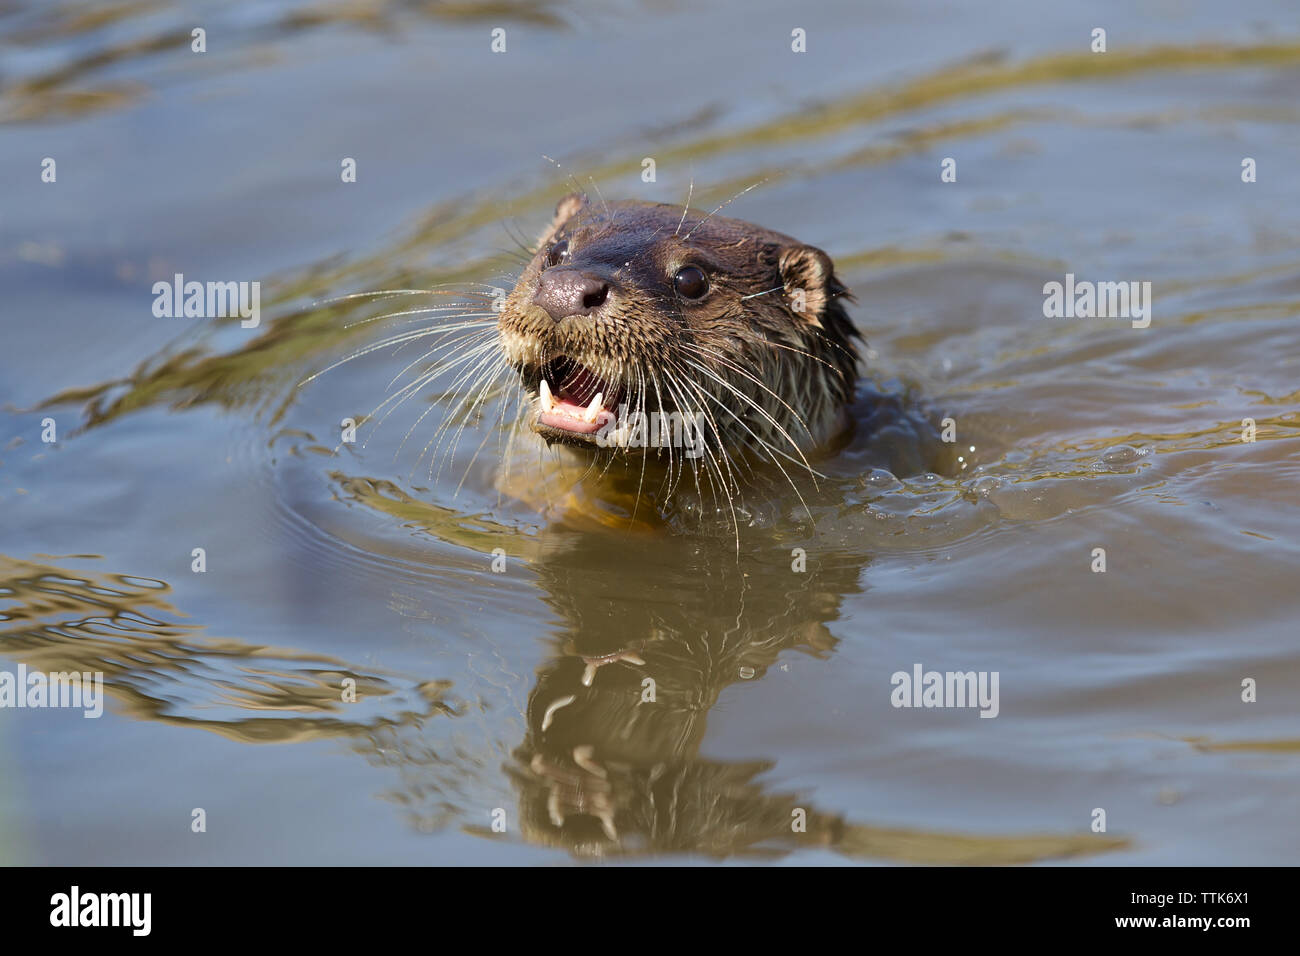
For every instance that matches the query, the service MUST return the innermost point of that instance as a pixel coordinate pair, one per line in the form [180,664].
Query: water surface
[326,564]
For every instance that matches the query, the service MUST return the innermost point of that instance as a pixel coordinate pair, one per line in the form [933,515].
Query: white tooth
[594,408]
[544,390]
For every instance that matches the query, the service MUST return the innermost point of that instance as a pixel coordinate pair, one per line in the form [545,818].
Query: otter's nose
[565,292]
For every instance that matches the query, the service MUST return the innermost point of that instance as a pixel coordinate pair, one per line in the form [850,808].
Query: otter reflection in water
[611,764]
[611,758]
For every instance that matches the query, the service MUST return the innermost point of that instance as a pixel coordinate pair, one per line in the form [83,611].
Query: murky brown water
[485,697]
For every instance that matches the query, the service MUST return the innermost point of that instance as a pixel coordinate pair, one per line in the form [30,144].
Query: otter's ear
[809,278]
[567,206]
[565,210]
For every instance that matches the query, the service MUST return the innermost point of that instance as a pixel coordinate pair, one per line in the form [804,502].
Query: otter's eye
[691,282]
[557,253]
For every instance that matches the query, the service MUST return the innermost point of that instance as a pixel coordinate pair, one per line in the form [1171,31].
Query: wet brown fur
[772,381]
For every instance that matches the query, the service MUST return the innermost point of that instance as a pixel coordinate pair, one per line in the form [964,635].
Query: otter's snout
[565,292]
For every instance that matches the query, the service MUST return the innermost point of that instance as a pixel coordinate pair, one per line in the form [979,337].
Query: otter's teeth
[594,408]
[544,391]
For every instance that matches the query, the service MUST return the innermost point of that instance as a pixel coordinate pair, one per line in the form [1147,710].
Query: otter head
[638,327]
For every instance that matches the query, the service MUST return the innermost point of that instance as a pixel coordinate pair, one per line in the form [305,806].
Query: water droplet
[1120,455]
[881,480]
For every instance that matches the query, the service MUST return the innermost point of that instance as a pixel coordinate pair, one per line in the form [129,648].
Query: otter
[640,329]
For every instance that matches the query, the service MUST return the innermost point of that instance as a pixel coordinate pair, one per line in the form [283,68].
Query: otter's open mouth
[572,399]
